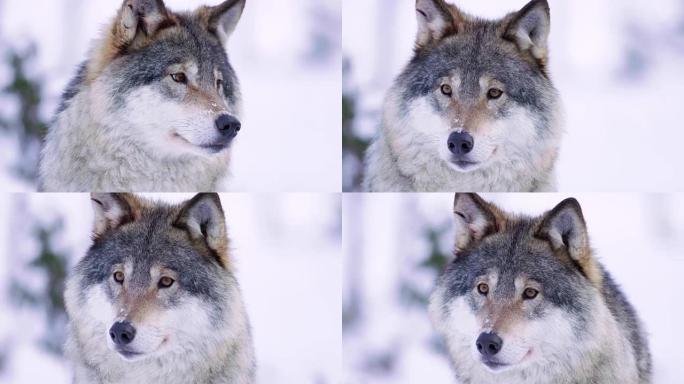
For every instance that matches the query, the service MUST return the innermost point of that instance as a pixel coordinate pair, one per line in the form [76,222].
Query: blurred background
[395,245]
[286,54]
[617,64]
[292,242]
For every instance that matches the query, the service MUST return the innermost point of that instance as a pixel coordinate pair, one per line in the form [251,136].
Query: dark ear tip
[211,196]
[570,202]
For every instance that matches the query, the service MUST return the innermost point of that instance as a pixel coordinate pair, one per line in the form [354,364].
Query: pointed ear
[202,217]
[564,228]
[475,219]
[139,18]
[222,19]
[529,28]
[436,19]
[113,210]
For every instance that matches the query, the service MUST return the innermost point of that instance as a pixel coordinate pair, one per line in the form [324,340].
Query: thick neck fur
[83,152]
[602,355]
[399,161]
[225,355]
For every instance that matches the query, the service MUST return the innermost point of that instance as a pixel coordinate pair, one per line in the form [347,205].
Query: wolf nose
[460,143]
[489,344]
[228,125]
[122,333]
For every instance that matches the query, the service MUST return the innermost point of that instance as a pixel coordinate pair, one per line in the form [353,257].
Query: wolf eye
[179,77]
[483,288]
[446,89]
[530,293]
[119,277]
[494,93]
[165,282]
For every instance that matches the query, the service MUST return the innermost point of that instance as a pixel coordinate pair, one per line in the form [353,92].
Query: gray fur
[605,343]
[99,141]
[406,158]
[147,237]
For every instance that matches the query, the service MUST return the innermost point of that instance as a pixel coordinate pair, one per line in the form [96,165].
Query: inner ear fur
[112,210]
[203,218]
[565,229]
[475,219]
[436,20]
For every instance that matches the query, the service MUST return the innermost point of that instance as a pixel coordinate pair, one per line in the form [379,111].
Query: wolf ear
[222,19]
[529,28]
[137,18]
[113,210]
[202,217]
[565,229]
[435,21]
[475,219]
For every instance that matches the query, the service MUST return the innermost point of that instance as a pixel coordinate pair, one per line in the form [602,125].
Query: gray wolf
[474,110]
[154,107]
[155,299]
[526,301]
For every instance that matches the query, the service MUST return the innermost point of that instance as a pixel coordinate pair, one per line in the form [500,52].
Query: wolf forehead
[511,255]
[472,58]
[153,242]
[187,42]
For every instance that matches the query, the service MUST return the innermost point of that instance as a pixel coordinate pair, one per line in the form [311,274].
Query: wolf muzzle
[460,143]
[489,344]
[122,333]
[228,126]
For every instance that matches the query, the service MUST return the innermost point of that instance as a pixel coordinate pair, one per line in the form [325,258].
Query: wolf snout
[460,143]
[228,126]
[122,333]
[489,344]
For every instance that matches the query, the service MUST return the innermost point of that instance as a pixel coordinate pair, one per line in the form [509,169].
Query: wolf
[525,301]
[475,108]
[155,299]
[155,106]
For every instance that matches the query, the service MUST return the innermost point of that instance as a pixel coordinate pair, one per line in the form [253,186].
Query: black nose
[489,344]
[460,143]
[228,125]
[122,333]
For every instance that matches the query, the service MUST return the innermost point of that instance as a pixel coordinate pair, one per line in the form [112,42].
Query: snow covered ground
[617,64]
[287,57]
[637,237]
[288,256]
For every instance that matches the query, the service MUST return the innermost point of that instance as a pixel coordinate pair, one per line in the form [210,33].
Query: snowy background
[618,65]
[288,255]
[287,57]
[394,245]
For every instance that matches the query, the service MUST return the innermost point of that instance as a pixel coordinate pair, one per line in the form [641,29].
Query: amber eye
[119,277]
[165,282]
[494,93]
[446,89]
[483,288]
[530,293]
[179,77]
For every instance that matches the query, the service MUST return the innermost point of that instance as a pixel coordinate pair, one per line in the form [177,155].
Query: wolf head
[477,91]
[156,281]
[166,78]
[518,288]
